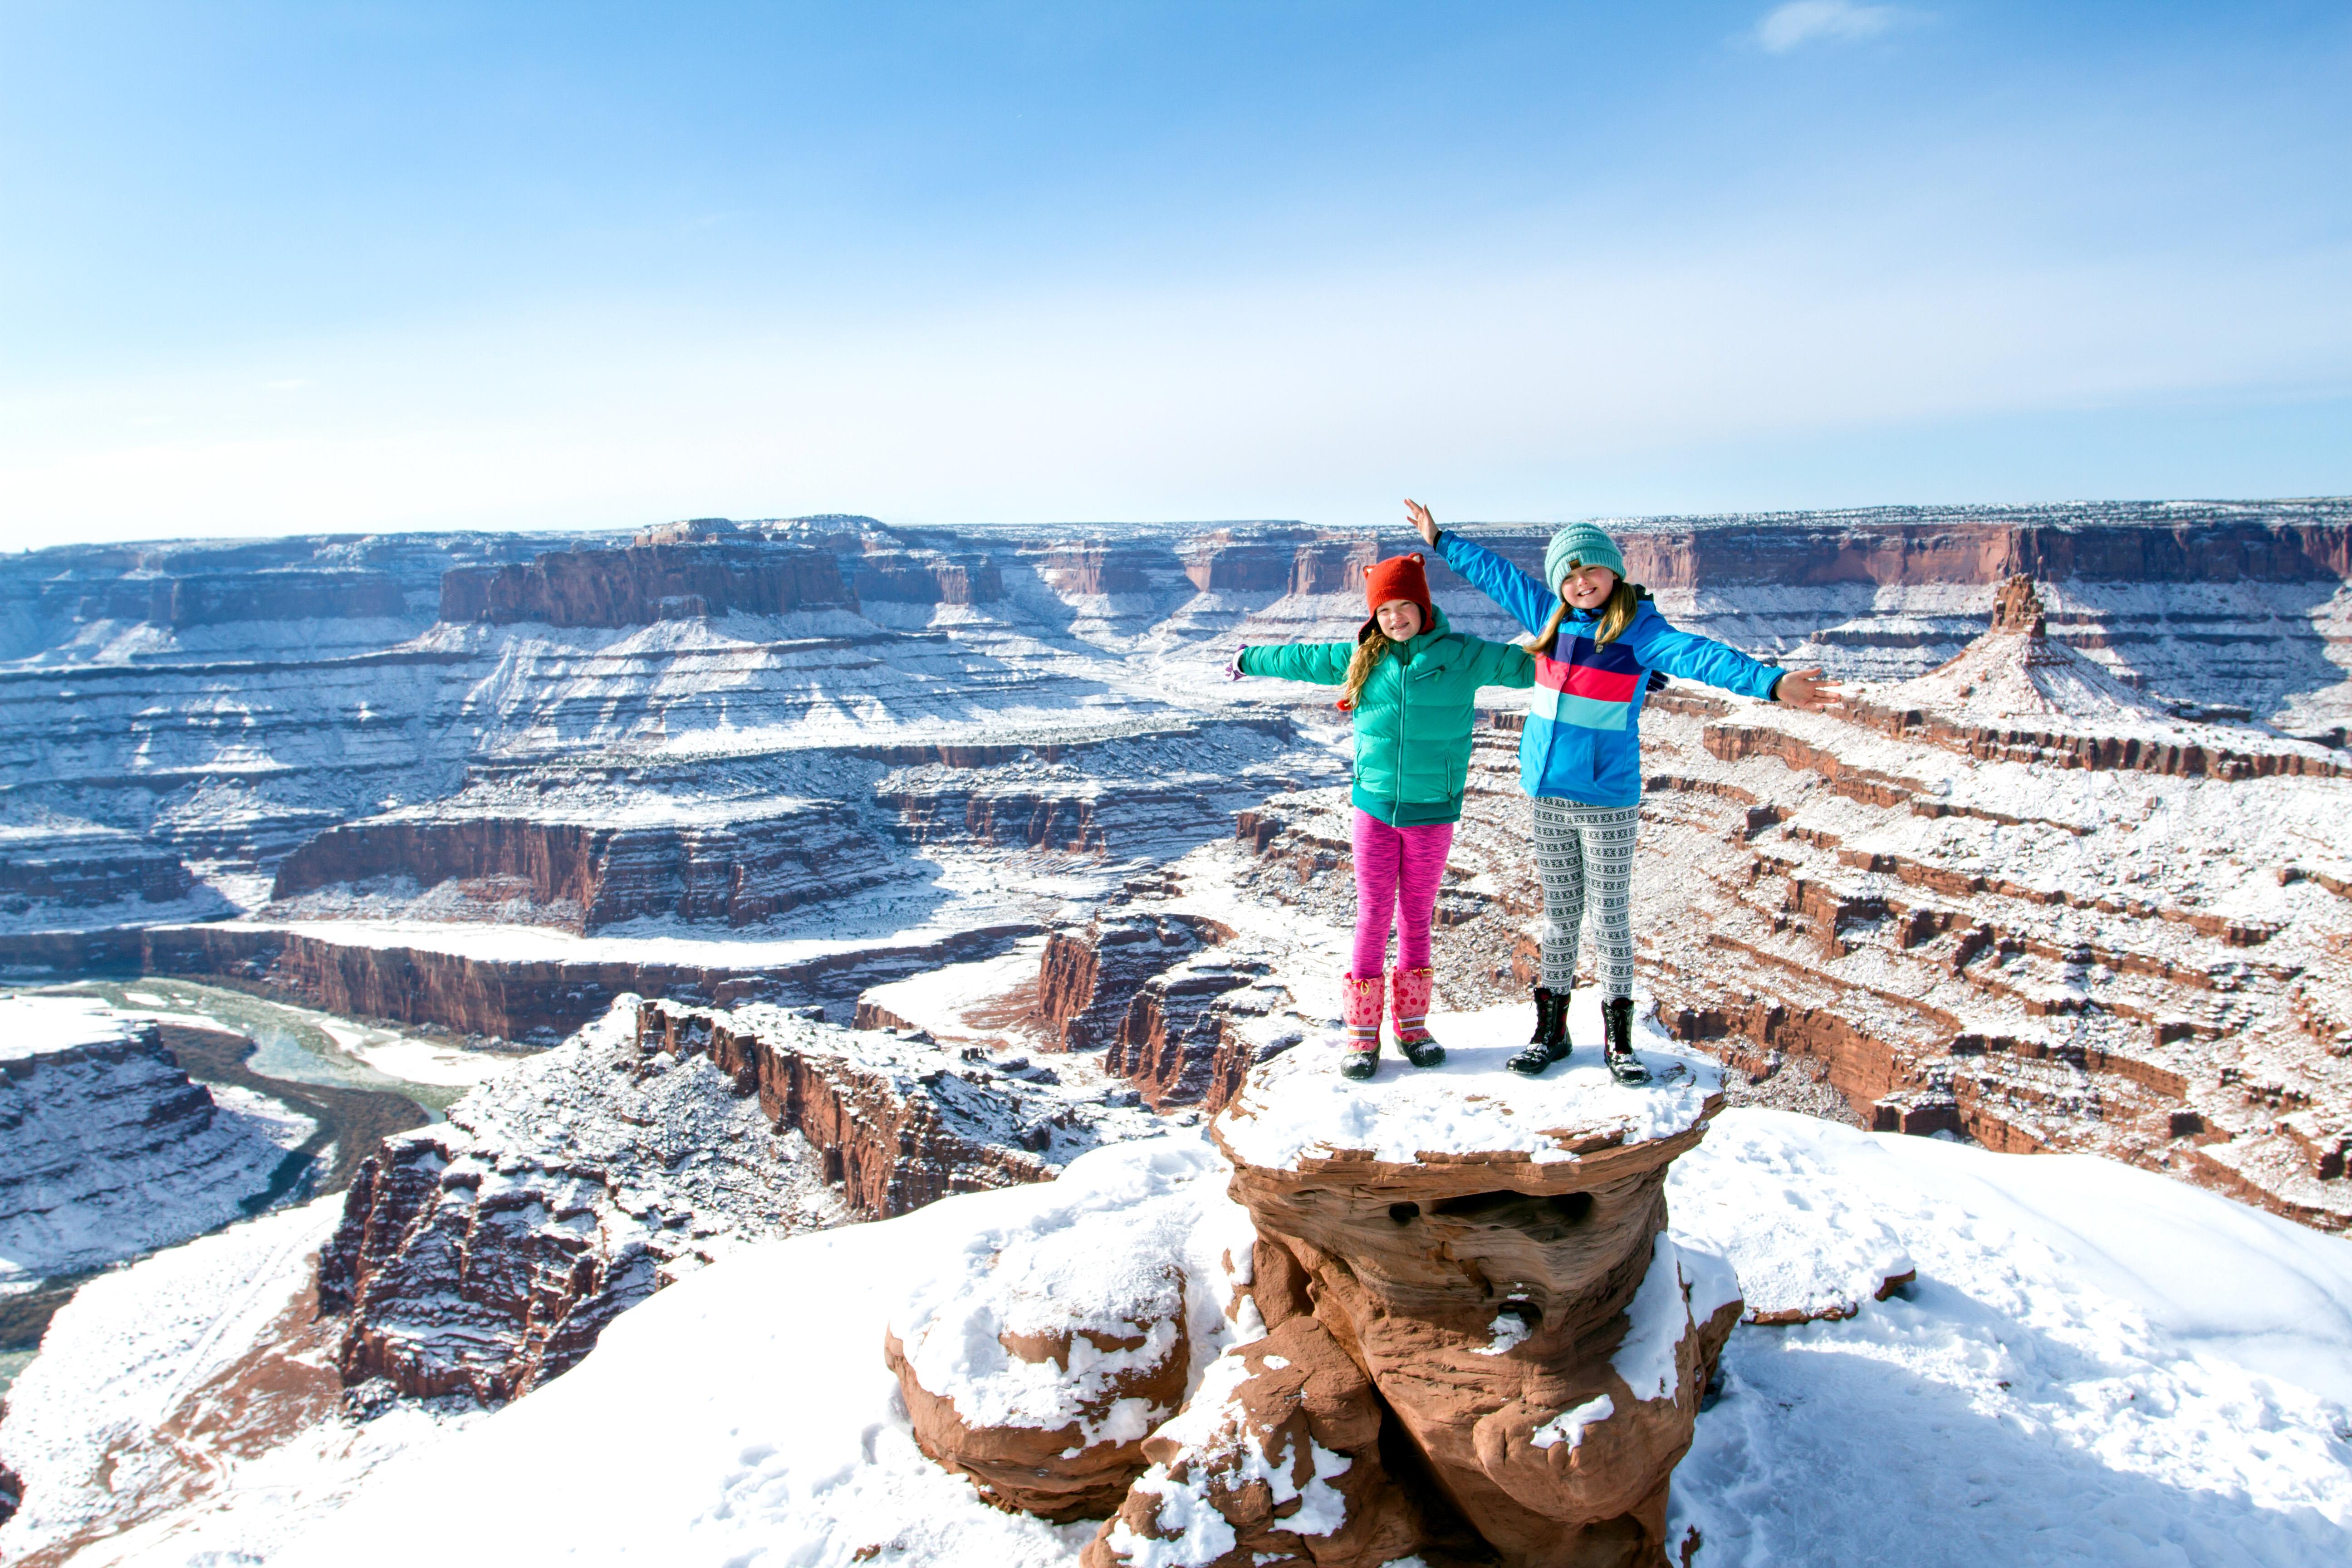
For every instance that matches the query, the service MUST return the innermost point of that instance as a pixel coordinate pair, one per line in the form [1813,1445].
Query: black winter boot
[1549,1043]
[1617,1041]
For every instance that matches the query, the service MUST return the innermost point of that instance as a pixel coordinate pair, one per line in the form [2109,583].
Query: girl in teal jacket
[1408,680]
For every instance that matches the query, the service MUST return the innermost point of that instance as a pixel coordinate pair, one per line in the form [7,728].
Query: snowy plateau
[809,1042]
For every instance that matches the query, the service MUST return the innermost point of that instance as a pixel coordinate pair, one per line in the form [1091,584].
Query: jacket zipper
[1396,785]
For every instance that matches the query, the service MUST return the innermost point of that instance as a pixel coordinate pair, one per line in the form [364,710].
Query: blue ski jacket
[1583,737]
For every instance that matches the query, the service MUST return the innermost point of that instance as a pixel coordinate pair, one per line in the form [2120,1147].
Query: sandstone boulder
[1276,1459]
[1036,1363]
[1080,1468]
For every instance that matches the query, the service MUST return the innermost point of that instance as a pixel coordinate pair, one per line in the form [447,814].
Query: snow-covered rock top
[42,1026]
[1297,1109]
[1092,1260]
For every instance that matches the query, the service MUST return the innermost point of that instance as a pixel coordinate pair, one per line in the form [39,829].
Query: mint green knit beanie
[1580,542]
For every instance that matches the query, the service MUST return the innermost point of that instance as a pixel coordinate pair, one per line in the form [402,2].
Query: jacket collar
[1593,617]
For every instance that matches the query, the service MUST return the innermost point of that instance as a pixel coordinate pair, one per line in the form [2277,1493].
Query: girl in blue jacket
[1596,639]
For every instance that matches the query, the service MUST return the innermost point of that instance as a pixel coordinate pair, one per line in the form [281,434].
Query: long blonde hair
[1370,649]
[1616,617]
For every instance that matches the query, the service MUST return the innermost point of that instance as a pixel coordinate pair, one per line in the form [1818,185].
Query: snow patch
[1655,1322]
[1568,1425]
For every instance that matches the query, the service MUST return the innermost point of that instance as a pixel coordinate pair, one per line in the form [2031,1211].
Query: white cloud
[1784,28]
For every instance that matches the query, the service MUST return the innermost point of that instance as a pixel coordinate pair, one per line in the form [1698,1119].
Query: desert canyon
[477,1002]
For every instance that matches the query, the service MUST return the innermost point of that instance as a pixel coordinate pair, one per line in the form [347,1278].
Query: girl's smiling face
[1398,619]
[1588,588]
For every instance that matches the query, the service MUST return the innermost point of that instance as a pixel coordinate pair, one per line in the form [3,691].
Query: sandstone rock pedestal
[1492,1252]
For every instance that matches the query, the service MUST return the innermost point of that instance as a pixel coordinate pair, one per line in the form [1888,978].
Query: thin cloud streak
[1799,22]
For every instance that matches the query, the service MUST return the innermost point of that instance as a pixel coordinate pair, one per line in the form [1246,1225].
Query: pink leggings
[1397,873]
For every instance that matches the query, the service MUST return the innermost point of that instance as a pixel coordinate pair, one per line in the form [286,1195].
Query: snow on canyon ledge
[1297,1113]
[2094,1364]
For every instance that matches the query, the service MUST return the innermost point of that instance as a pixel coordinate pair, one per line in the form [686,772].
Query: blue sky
[273,267]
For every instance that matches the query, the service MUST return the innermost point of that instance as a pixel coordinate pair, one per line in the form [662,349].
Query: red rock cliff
[643,585]
[741,873]
[483,1256]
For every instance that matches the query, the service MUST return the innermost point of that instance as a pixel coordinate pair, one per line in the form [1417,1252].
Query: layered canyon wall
[238,748]
[583,875]
[646,583]
[107,1149]
[483,1256]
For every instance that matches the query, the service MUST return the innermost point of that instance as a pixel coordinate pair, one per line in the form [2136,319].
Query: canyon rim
[520,950]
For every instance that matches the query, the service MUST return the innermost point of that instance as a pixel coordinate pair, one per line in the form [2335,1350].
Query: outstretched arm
[1686,655]
[1324,663]
[1694,658]
[1520,594]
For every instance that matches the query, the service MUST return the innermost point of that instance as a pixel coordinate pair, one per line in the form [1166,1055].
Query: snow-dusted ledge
[107,1149]
[1297,1114]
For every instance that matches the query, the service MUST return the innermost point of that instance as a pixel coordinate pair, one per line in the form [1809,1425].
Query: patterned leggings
[1585,855]
[1398,871]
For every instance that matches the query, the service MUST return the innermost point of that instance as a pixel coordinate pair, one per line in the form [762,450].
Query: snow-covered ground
[2095,1364]
[214,1349]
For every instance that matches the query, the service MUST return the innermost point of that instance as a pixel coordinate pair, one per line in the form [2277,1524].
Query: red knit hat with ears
[1400,577]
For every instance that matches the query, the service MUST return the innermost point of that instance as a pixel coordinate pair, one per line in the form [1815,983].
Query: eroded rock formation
[896,1124]
[1081,1469]
[1519,1305]
[481,1256]
[1088,979]
[107,1149]
[1038,1365]
[1457,1327]
[1283,1442]
[1159,993]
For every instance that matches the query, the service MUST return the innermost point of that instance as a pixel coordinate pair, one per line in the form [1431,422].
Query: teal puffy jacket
[1413,723]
